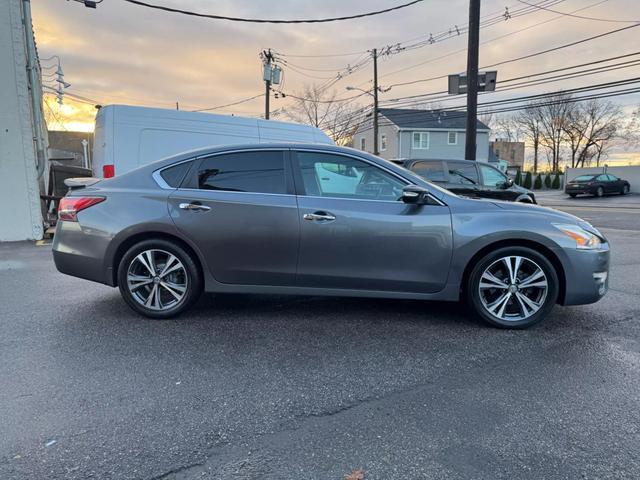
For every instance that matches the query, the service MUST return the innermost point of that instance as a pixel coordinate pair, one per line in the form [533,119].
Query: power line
[229,104]
[462,50]
[591,71]
[501,106]
[582,17]
[264,20]
[531,55]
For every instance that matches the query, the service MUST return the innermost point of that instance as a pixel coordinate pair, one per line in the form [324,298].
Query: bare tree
[530,124]
[507,127]
[590,128]
[553,113]
[319,108]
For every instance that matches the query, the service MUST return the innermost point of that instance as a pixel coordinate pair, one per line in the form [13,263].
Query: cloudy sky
[123,53]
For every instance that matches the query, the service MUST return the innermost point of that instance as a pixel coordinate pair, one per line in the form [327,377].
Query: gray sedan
[320,220]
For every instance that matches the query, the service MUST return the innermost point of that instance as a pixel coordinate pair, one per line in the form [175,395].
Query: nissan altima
[320,220]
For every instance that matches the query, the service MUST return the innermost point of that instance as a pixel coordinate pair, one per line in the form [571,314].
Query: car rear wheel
[158,279]
[599,192]
[513,287]
[625,190]
[573,195]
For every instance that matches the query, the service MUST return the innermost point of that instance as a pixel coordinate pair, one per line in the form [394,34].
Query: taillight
[108,171]
[70,206]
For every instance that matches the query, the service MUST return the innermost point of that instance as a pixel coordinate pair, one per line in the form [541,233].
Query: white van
[127,137]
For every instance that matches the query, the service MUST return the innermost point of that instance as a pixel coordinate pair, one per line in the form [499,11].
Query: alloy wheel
[513,288]
[157,279]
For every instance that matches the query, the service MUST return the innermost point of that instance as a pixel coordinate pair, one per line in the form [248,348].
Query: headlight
[586,238]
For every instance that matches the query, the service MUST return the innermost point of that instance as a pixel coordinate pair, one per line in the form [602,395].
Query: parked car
[470,178]
[277,219]
[597,185]
[128,136]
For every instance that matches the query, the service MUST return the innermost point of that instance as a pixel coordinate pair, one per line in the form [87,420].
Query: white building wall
[20,214]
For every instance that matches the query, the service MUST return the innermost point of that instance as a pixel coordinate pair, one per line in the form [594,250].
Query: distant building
[511,152]
[424,134]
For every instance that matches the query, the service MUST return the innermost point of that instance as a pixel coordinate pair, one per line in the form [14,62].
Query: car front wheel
[158,279]
[513,287]
[625,190]
[599,192]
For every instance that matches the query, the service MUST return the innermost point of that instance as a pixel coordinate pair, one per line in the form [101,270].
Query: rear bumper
[577,190]
[586,276]
[77,254]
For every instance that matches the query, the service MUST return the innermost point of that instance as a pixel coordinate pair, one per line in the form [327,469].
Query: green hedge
[547,181]
[527,181]
[518,180]
[556,182]
[538,183]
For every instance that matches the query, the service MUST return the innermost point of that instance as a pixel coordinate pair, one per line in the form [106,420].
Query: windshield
[583,178]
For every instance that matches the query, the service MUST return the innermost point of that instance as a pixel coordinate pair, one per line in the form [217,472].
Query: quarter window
[452,138]
[258,172]
[462,173]
[174,175]
[420,140]
[328,175]
[432,171]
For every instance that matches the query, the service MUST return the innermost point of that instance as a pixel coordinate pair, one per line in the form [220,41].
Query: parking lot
[264,387]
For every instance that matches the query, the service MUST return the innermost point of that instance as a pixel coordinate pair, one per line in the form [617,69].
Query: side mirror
[508,183]
[415,195]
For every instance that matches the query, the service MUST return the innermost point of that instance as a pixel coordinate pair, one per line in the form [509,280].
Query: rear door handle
[194,206]
[319,216]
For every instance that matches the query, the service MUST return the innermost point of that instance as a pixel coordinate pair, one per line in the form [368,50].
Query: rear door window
[462,173]
[255,172]
[432,170]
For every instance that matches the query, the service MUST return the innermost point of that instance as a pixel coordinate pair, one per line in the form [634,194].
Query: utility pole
[472,79]
[268,58]
[376,140]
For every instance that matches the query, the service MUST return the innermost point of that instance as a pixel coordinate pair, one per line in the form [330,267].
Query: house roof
[409,118]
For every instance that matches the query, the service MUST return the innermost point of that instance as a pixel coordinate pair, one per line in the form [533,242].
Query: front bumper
[586,275]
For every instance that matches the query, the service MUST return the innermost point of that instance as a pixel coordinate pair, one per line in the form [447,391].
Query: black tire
[190,274]
[625,190]
[525,199]
[473,287]
[599,192]
[573,195]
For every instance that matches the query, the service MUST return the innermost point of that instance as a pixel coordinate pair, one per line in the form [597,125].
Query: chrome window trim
[165,186]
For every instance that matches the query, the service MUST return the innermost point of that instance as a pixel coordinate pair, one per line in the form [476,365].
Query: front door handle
[319,216]
[194,206]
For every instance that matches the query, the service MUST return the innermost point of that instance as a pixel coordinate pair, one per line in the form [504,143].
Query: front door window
[337,176]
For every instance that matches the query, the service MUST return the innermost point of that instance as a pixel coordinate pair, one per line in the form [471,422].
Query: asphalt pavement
[275,387]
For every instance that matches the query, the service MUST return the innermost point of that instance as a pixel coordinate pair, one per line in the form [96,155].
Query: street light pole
[472,79]
[376,149]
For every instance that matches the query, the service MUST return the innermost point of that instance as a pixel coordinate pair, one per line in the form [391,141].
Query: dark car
[469,178]
[597,185]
